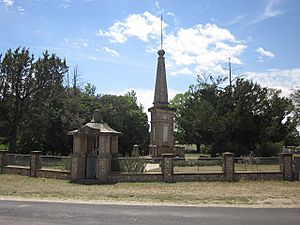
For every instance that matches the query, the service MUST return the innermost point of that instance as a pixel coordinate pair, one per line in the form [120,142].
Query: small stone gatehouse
[93,145]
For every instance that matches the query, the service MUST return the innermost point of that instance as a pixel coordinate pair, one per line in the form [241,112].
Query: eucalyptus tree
[23,81]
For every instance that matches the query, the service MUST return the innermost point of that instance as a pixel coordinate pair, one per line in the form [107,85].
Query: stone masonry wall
[122,177]
[17,170]
[199,177]
[259,176]
[167,174]
[53,174]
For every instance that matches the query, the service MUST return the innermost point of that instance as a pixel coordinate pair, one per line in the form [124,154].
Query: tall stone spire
[162,133]
[161,88]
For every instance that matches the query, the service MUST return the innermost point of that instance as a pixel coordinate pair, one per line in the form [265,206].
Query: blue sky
[115,42]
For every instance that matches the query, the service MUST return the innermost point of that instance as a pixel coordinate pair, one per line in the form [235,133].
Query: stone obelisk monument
[162,131]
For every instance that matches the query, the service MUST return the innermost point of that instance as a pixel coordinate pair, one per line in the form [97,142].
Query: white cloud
[269,11]
[111,51]
[286,80]
[237,19]
[170,14]
[142,26]
[202,48]
[146,97]
[8,2]
[184,71]
[264,53]
[77,43]
[21,10]
[65,3]
[157,5]
[194,50]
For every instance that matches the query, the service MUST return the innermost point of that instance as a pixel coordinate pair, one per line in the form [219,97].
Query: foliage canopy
[242,118]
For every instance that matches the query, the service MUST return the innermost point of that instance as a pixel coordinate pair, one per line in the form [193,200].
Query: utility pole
[230,72]
[161,31]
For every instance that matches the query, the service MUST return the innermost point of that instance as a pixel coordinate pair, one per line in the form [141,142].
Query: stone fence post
[228,166]
[104,168]
[135,151]
[78,166]
[296,168]
[2,160]
[35,162]
[167,167]
[153,150]
[287,166]
[179,150]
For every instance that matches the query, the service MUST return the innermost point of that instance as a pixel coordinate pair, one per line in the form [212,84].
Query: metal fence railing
[136,165]
[261,164]
[17,160]
[201,165]
[56,162]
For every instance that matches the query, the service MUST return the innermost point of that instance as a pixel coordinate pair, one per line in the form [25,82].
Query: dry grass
[243,193]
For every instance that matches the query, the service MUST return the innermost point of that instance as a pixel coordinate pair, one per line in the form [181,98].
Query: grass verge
[243,193]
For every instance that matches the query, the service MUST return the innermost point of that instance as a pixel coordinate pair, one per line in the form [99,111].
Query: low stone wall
[188,177]
[198,177]
[142,177]
[18,170]
[289,171]
[34,170]
[258,176]
[25,171]
[54,174]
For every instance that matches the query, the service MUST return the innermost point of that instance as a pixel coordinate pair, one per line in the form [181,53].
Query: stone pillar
[296,168]
[167,167]
[104,168]
[179,151]
[35,162]
[228,166]
[153,150]
[78,166]
[135,151]
[287,166]
[2,160]
[80,143]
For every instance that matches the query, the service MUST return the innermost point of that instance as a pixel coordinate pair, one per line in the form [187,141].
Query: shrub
[132,165]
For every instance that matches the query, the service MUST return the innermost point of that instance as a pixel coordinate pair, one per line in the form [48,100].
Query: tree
[37,110]
[22,81]
[125,115]
[122,113]
[196,118]
[17,75]
[242,118]
[258,119]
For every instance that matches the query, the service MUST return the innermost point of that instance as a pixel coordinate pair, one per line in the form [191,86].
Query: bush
[132,165]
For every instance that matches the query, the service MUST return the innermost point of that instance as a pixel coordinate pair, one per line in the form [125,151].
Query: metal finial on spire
[161,31]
